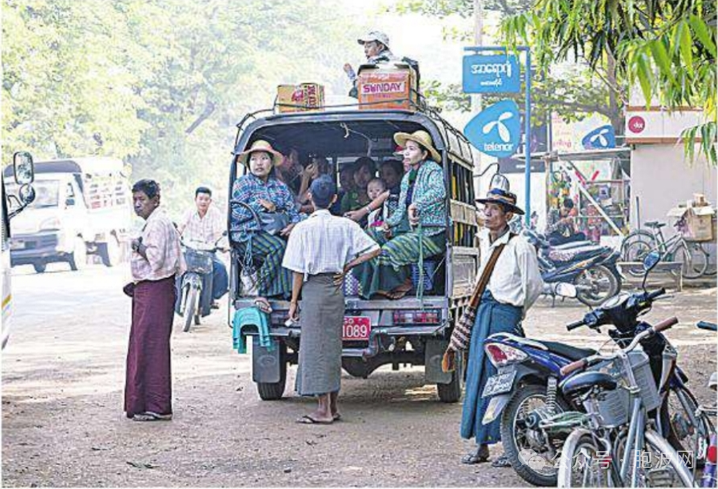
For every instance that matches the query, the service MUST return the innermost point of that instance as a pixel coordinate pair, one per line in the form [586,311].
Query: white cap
[375,36]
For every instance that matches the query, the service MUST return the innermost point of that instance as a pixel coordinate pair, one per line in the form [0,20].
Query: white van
[82,207]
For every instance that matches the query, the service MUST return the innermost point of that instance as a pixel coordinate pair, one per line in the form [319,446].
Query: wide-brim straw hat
[263,146]
[503,197]
[421,137]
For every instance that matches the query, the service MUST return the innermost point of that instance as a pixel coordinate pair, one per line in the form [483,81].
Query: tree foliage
[158,83]
[667,47]
[572,93]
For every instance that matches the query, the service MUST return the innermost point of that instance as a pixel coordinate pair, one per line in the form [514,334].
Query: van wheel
[110,252]
[39,267]
[275,390]
[78,260]
[451,392]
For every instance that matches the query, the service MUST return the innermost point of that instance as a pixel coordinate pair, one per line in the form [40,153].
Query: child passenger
[375,188]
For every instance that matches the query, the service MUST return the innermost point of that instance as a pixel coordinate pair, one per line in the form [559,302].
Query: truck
[414,330]
[83,207]
[12,204]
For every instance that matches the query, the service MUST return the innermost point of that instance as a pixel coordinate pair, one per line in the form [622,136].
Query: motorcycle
[592,269]
[709,478]
[197,279]
[524,390]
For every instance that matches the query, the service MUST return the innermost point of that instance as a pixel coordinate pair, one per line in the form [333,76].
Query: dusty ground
[62,420]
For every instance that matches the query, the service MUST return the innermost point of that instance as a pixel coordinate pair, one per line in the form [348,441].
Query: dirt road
[62,420]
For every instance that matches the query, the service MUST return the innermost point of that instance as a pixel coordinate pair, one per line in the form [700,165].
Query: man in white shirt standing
[204,224]
[320,251]
[513,287]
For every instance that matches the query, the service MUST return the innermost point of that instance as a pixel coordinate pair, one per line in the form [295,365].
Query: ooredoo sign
[491,74]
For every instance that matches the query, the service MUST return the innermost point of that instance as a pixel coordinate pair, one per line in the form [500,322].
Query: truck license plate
[500,383]
[356,328]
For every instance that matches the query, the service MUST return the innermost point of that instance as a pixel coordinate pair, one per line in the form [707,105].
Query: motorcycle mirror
[566,290]
[649,263]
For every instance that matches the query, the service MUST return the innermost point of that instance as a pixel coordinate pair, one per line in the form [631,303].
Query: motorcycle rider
[204,223]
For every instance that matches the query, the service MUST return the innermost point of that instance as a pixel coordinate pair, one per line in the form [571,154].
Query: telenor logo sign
[491,74]
[496,131]
[600,138]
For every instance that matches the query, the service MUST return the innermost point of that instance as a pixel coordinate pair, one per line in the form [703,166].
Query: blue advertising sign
[491,74]
[496,130]
[600,138]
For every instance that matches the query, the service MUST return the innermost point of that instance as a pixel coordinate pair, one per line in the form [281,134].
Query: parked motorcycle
[592,269]
[196,281]
[524,390]
[709,477]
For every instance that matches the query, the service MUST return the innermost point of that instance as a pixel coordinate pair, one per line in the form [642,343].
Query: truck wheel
[39,267]
[78,259]
[451,392]
[274,391]
[110,252]
[356,367]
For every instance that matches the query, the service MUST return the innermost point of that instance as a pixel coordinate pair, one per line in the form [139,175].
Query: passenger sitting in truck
[318,167]
[418,227]
[290,171]
[391,172]
[263,213]
[364,171]
[346,182]
[376,189]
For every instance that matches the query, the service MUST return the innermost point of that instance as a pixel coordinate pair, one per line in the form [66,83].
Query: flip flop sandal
[501,463]
[150,416]
[475,458]
[306,419]
[337,417]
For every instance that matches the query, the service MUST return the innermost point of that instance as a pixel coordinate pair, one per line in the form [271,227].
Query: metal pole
[527,142]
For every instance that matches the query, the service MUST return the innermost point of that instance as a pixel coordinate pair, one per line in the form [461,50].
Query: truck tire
[451,392]
[78,259]
[110,252]
[275,390]
[39,267]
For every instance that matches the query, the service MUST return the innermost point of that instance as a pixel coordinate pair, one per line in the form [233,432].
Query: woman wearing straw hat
[261,191]
[417,227]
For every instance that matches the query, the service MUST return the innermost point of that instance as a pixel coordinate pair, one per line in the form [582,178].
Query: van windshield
[47,193]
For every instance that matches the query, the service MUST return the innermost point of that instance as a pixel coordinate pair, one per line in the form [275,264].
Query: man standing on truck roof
[156,260]
[514,284]
[204,223]
[321,250]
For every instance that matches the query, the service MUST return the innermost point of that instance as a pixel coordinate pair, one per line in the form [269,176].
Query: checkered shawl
[461,336]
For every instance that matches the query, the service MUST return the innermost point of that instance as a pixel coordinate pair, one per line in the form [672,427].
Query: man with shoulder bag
[509,284]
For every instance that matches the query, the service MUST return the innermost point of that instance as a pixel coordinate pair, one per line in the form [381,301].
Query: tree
[158,83]
[572,94]
[665,46]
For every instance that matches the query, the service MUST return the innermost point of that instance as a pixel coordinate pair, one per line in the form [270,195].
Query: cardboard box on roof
[387,86]
[300,98]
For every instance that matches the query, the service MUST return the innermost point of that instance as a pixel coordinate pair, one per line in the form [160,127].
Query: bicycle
[640,242]
[606,447]
[708,478]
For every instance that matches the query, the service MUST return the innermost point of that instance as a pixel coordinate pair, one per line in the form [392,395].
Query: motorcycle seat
[572,245]
[580,383]
[567,351]
[654,224]
[574,253]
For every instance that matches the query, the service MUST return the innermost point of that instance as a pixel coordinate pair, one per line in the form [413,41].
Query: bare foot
[400,291]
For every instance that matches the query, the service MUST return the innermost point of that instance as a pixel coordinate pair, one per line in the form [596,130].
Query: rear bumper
[28,249]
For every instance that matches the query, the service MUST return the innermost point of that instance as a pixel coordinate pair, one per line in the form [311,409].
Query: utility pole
[476,98]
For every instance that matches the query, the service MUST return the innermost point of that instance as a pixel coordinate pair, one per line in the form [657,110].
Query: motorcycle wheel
[529,464]
[191,307]
[600,281]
